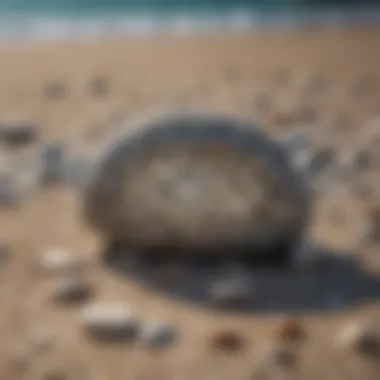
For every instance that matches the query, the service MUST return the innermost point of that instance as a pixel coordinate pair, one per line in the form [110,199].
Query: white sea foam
[50,27]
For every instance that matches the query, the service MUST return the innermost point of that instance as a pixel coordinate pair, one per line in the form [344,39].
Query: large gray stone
[188,182]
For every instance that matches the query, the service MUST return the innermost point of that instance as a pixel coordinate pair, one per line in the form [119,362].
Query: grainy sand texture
[318,89]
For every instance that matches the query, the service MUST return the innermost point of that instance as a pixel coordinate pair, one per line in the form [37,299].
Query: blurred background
[74,74]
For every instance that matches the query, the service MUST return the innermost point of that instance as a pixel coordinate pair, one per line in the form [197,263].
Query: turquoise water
[61,18]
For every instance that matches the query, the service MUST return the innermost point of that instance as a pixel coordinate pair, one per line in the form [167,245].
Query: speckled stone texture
[187,182]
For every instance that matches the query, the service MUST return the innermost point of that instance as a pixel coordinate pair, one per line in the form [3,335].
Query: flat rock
[71,291]
[110,322]
[56,260]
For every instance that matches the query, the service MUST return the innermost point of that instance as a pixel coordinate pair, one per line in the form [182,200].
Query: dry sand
[258,76]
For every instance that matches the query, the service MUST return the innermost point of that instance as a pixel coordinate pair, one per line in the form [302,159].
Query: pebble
[360,338]
[158,335]
[71,291]
[290,330]
[16,134]
[52,164]
[321,160]
[59,260]
[232,290]
[110,322]
[228,341]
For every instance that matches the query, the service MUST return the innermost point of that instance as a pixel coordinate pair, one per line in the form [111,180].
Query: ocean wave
[51,27]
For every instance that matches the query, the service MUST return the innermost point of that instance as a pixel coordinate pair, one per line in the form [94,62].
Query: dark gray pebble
[71,291]
[17,134]
[158,335]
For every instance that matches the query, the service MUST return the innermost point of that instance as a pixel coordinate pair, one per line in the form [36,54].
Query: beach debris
[52,164]
[158,335]
[57,260]
[17,133]
[110,322]
[71,291]
[361,338]
[228,341]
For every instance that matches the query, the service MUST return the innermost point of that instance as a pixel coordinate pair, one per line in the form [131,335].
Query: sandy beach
[82,93]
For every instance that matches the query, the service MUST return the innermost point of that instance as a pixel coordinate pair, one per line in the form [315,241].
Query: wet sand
[325,83]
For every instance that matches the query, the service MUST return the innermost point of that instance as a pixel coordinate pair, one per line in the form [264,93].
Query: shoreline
[33,26]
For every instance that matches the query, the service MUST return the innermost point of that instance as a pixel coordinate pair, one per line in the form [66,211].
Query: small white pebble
[158,335]
[110,322]
[58,260]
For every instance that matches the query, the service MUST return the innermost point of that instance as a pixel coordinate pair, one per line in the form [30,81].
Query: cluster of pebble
[104,321]
[27,162]
[323,165]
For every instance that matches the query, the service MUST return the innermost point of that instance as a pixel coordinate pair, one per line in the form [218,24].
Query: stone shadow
[337,282]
